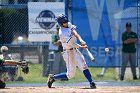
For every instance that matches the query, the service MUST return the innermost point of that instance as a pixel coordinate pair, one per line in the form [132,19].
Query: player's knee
[84,68]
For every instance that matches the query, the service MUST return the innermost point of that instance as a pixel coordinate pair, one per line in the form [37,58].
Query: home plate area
[102,87]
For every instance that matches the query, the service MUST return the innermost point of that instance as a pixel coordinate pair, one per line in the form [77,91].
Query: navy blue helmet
[62,19]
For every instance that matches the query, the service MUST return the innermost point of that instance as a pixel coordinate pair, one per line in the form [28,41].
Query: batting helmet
[4,49]
[62,19]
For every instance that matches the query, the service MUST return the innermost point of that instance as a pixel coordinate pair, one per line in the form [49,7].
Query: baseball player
[72,56]
[24,66]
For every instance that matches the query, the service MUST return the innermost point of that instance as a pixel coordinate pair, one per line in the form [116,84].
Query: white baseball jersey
[67,39]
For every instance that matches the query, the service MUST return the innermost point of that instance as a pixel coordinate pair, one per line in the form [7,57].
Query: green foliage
[13,21]
[7,11]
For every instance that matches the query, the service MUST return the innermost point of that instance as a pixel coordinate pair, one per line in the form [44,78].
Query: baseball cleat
[92,85]
[50,80]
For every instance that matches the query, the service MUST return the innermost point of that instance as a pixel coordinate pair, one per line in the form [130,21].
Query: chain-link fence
[101,24]
[14,35]
[14,23]
[14,28]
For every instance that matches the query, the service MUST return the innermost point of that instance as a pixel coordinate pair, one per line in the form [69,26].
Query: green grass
[110,75]
[35,75]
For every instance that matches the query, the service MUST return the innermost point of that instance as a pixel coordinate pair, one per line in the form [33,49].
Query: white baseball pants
[74,58]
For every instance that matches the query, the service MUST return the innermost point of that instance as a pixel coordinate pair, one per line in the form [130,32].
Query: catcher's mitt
[25,69]
[24,66]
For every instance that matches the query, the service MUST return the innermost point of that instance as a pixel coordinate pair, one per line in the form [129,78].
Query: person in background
[129,40]
[11,70]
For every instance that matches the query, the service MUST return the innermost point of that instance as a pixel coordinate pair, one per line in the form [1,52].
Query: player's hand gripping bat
[88,52]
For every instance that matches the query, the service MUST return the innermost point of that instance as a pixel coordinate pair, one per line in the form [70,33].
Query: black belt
[69,49]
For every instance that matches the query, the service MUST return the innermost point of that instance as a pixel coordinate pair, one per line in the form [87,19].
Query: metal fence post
[45,52]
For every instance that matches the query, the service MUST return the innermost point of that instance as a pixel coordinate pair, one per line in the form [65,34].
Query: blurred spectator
[11,70]
[59,65]
[129,40]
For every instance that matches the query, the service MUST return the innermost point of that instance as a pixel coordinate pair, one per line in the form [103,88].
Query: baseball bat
[90,55]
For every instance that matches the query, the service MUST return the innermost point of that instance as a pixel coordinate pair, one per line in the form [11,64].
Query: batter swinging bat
[88,52]
[90,55]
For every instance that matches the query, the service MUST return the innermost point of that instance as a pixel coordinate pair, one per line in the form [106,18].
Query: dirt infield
[100,89]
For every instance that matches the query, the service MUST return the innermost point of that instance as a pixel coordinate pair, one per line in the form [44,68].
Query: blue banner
[101,24]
